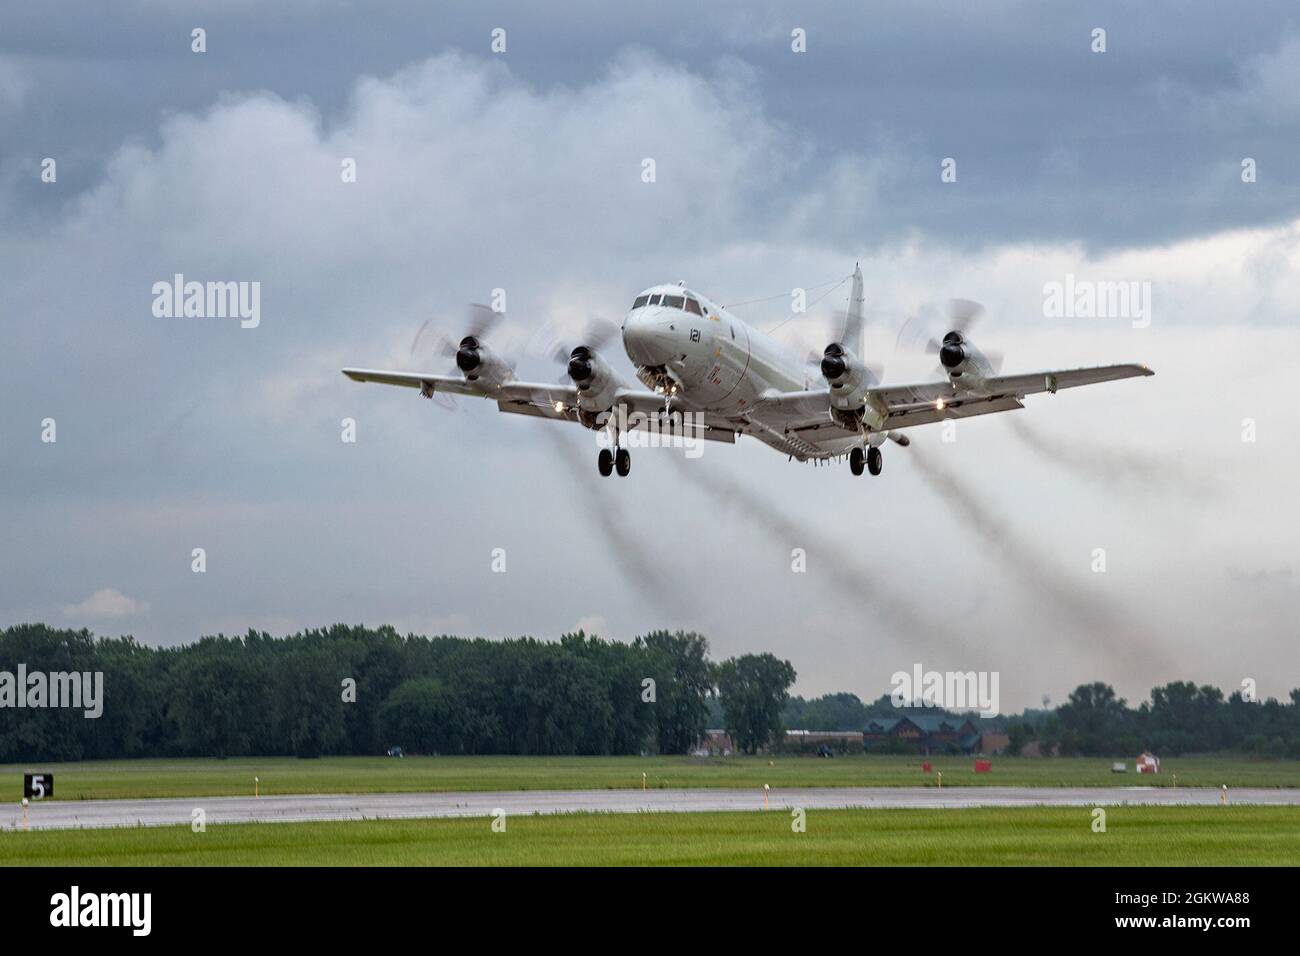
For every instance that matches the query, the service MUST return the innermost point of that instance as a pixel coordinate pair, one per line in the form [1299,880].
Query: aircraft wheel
[855,461]
[874,460]
[605,462]
[623,462]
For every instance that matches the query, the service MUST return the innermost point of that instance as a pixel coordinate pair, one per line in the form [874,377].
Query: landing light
[938,405]
[559,407]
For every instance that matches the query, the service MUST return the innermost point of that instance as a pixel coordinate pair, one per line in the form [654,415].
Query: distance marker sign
[38,786]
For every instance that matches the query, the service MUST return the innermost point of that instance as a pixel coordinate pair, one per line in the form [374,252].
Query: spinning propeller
[574,351]
[464,353]
[847,331]
[959,316]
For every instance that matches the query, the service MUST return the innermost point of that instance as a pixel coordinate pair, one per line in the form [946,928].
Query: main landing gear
[874,460]
[610,461]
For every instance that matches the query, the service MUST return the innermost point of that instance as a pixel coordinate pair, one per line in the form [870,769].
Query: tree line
[1180,718]
[356,690]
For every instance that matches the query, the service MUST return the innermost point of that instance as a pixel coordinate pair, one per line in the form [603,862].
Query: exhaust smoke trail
[635,563]
[1115,465]
[1111,631]
[851,578]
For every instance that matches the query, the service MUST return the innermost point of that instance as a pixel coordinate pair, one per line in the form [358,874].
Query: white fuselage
[711,360]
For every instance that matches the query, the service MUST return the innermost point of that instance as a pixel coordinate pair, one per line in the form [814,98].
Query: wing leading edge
[536,392]
[797,422]
[901,396]
[555,401]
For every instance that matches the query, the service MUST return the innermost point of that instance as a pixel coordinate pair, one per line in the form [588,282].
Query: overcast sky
[775,169]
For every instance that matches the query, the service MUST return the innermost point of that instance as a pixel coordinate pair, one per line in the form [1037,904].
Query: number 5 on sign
[38,786]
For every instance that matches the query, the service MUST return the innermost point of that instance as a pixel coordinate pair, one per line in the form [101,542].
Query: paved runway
[63,814]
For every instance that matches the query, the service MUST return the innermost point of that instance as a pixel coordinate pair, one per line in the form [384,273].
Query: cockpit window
[640,301]
[674,301]
[654,299]
[693,307]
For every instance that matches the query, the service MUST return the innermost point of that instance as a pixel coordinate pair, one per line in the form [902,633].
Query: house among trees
[716,742]
[921,734]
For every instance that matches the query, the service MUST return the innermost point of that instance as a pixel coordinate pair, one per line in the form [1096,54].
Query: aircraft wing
[540,393]
[899,396]
[903,406]
[811,404]
[538,399]
[907,405]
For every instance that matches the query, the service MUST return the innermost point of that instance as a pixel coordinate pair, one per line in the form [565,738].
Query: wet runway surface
[57,814]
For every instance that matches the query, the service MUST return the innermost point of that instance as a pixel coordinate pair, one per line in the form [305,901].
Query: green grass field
[1136,836]
[180,778]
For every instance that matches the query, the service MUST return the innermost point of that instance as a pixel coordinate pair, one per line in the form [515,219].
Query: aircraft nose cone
[643,340]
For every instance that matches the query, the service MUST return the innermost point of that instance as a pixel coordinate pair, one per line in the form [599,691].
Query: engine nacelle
[962,360]
[849,380]
[478,363]
[596,382]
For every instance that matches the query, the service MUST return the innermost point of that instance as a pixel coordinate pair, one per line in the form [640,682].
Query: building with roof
[922,734]
[914,733]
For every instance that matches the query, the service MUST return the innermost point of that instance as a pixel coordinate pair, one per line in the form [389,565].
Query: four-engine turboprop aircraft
[694,356]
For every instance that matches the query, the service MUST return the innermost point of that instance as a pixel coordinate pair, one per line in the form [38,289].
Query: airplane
[694,356]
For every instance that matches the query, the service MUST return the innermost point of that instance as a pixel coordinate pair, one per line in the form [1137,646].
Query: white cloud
[106,604]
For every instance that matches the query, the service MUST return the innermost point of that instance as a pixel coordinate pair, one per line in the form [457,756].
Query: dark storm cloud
[1137,144]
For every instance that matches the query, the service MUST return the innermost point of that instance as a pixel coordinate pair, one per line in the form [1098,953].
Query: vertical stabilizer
[853,325]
